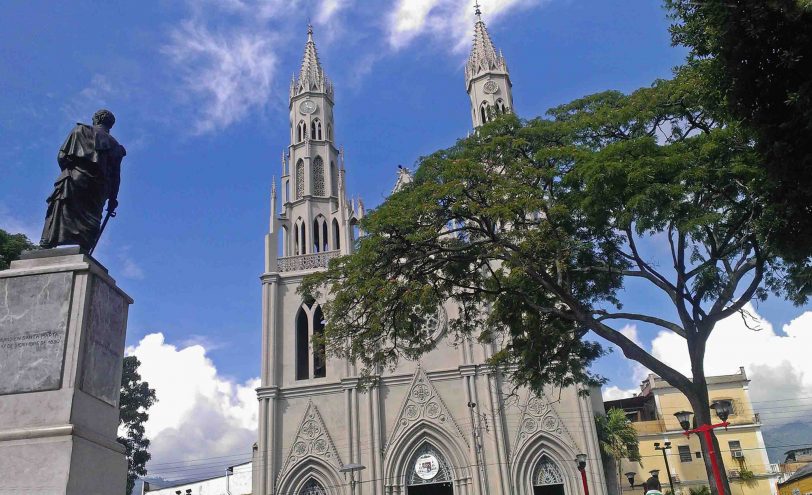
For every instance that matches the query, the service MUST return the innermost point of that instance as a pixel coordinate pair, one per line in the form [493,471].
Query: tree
[756,59]
[618,440]
[11,245]
[533,229]
[136,399]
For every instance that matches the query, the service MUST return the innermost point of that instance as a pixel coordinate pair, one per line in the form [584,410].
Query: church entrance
[547,479]
[428,473]
[434,489]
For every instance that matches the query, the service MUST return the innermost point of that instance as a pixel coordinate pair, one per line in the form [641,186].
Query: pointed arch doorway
[547,478]
[428,473]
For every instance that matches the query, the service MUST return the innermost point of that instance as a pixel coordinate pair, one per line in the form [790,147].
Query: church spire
[311,75]
[483,57]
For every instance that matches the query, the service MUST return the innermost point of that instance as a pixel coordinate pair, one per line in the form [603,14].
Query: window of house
[735,448]
[685,453]
[318,176]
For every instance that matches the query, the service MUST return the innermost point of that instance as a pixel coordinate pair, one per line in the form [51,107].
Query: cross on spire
[477,12]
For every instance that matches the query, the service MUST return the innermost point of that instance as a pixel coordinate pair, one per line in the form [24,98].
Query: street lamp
[722,408]
[580,460]
[666,446]
[352,468]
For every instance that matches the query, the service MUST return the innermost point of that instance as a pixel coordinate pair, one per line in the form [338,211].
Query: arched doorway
[547,478]
[428,473]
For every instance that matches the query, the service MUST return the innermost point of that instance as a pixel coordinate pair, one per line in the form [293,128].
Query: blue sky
[200,93]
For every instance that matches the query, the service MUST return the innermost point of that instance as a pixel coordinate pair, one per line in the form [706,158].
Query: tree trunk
[700,403]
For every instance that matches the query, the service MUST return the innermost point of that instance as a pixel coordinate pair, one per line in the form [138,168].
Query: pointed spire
[484,56]
[311,75]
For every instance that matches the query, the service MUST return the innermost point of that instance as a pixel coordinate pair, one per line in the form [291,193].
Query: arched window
[316,240]
[500,106]
[336,235]
[319,354]
[318,176]
[299,179]
[302,345]
[296,239]
[315,130]
[312,487]
[329,132]
[287,191]
[428,466]
[301,133]
[333,179]
[484,110]
[283,242]
[304,239]
[547,473]
[325,245]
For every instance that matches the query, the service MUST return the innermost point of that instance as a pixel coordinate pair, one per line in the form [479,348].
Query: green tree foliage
[136,399]
[618,440]
[533,229]
[11,245]
[756,59]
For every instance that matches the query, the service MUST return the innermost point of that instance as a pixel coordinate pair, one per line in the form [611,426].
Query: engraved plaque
[104,343]
[34,313]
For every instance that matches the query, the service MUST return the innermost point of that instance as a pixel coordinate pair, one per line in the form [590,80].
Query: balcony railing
[306,261]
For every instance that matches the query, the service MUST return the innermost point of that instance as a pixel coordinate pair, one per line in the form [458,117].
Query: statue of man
[90,160]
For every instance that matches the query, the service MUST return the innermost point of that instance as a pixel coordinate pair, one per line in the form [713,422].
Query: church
[447,424]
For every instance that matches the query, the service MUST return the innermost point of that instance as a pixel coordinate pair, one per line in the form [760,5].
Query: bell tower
[487,79]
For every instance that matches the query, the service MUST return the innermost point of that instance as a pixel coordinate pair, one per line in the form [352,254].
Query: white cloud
[613,392]
[227,74]
[99,93]
[328,9]
[778,364]
[447,20]
[129,267]
[200,413]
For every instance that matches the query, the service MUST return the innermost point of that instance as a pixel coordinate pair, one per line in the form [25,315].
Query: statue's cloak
[90,160]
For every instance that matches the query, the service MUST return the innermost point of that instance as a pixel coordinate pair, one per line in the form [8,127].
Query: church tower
[487,79]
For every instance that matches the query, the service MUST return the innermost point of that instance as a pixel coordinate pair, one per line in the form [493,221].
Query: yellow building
[799,483]
[742,446]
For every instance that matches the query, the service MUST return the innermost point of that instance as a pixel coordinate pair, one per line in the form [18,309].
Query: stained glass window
[312,487]
[318,176]
[299,179]
[547,473]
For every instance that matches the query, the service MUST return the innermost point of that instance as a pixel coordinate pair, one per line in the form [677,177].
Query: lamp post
[666,446]
[352,468]
[722,408]
[580,459]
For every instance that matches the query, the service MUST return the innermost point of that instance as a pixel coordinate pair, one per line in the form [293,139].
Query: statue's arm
[115,179]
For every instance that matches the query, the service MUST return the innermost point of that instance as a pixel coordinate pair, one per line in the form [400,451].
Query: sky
[200,89]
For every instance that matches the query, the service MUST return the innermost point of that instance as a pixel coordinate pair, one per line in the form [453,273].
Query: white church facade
[442,425]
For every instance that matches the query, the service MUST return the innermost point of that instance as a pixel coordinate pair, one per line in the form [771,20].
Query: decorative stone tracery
[547,473]
[312,440]
[540,417]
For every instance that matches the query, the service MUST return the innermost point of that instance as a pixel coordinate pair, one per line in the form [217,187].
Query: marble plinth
[62,327]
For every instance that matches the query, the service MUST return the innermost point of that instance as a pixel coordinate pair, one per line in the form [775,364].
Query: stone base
[59,461]
[61,353]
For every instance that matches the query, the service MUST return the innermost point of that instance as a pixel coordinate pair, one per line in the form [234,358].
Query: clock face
[307,107]
[490,87]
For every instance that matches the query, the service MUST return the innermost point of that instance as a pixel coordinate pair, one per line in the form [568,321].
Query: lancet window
[312,487]
[547,473]
[336,235]
[315,130]
[333,179]
[318,176]
[484,110]
[301,131]
[299,179]
[431,472]
[311,357]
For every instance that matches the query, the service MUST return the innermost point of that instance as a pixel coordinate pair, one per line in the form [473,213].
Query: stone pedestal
[62,328]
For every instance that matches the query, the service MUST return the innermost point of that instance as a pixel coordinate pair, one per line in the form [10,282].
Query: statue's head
[104,118]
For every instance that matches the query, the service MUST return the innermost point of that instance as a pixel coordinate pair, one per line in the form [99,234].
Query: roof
[311,75]
[638,401]
[483,57]
[803,472]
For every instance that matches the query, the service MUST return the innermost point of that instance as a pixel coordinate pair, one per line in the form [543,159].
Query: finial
[477,12]
[309,31]
[273,186]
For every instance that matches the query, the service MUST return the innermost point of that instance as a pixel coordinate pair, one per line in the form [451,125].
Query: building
[235,481]
[800,483]
[441,426]
[742,445]
[794,460]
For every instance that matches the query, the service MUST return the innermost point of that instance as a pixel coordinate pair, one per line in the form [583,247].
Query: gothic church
[440,426]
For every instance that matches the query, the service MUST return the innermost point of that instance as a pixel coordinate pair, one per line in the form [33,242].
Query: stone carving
[423,403]
[312,439]
[540,417]
[306,261]
[32,342]
[547,473]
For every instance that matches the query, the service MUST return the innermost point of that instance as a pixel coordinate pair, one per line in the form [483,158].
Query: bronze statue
[90,160]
